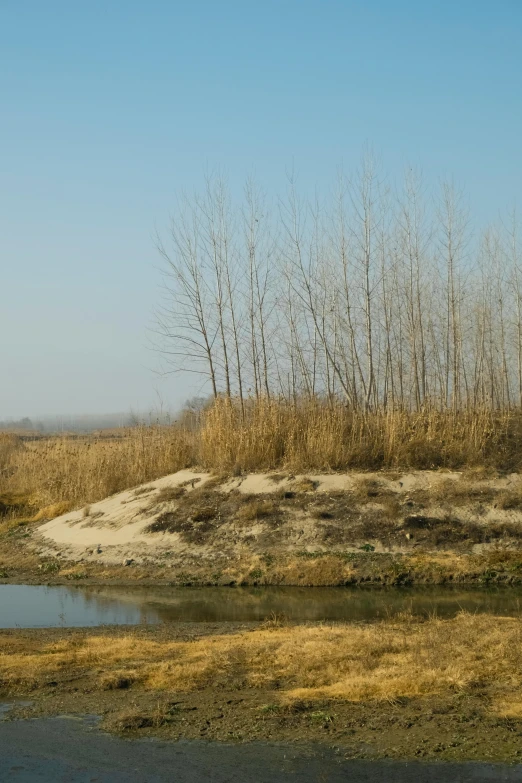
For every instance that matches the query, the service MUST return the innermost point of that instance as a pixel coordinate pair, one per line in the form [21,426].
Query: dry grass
[305,484]
[367,489]
[278,477]
[511,500]
[77,471]
[272,436]
[169,494]
[117,680]
[256,509]
[314,435]
[383,661]
[460,493]
[9,444]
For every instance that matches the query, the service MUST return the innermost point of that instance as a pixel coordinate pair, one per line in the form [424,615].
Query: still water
[27,606]
[61,749]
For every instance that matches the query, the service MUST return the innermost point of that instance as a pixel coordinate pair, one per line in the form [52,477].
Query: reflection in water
[28,606]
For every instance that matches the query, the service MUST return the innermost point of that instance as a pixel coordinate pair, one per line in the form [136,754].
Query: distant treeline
[90,422]
[80,423]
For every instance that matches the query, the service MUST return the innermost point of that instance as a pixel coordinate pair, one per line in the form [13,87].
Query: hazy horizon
[111,112]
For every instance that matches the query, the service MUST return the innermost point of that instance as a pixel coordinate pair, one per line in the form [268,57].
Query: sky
[108,110]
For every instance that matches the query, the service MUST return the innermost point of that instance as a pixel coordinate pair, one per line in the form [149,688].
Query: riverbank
[404,689]
[190,528]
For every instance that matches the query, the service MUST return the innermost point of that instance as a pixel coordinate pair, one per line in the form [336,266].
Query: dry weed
[267,435]
[168,494]
[382,661]
[256,509]
[304,484]
[510,500]
[117,680]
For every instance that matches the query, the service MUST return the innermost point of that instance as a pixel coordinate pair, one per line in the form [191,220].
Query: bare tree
[386,301]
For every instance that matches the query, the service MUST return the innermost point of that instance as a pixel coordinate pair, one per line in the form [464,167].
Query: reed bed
[262,435]
[70,471]
[315,434]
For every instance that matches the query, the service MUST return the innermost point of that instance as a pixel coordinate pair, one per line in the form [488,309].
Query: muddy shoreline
[455,725]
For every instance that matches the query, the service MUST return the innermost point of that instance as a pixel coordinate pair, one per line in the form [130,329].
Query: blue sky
[109,109]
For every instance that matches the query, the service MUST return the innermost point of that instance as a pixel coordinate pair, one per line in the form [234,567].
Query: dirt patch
[204,511]
[449,531]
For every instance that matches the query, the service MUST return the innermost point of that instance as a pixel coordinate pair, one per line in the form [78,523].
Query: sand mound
[195,515]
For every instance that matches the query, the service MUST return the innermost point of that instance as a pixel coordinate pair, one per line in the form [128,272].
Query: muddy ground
[454,726]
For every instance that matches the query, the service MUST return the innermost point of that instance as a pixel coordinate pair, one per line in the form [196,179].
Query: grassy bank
[383,661]
[459,679]
[269,435]
[42,478]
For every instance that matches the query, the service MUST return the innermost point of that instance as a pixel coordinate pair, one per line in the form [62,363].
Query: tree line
[387,297]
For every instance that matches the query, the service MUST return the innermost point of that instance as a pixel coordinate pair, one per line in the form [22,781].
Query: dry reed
[263,435]
[76,471]
[320,435]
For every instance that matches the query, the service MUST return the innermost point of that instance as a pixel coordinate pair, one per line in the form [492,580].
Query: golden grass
[315,435]
[117,680]
[510,500]
[272,436]
[383,661]
[75,471]
[304,484]
[8,445]
[256,509]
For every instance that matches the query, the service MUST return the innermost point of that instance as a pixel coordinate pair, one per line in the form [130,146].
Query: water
[27,606]
[61,749]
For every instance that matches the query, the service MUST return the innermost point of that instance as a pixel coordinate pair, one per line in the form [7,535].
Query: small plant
[274,621]
[277,477]
[510,501]
[190,482]
[322,513]
[204,514]
[367,548]
[368,489]
[142,491]
[169,493]
[321,717]
[257,509]
[305,484]
[270,709]
[134,719]
[310,555]
[117,680]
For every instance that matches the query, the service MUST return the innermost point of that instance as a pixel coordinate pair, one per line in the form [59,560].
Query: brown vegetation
[75,471]
[264,435]
[385,661]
